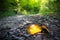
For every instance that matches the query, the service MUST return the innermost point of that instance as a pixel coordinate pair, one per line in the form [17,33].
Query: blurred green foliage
[7,7]
[29,7]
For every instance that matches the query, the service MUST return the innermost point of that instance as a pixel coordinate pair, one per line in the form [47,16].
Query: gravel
[11,26]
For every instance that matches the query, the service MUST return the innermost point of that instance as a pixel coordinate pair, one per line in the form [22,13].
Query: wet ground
[13,22]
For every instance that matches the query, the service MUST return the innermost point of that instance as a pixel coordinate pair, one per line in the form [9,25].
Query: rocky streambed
[12,24]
